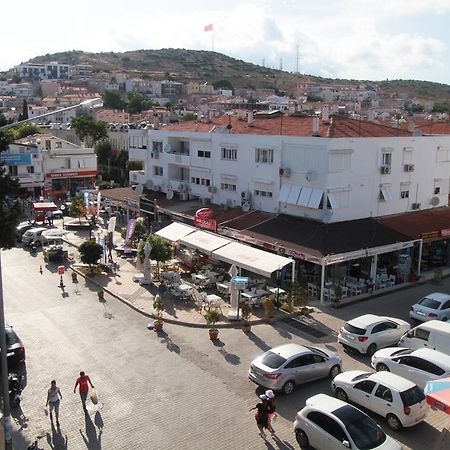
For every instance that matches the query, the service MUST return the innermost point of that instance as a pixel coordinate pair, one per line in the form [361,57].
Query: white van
[33,234]
[433,334]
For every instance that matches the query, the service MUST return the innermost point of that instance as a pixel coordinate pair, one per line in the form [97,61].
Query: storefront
[60,185]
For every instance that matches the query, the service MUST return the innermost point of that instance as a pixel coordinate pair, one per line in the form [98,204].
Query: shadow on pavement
[171,346]
[230,357]
[258,341]
[90,437]
[56,440]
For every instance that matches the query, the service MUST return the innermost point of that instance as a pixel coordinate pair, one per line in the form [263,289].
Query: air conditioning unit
[435,201]
[415,206]
[154,155]
[285,172]
[385,170]
[409,167]
[245,195]
[212,189]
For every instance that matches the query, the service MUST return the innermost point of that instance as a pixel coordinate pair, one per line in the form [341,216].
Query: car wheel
[341,395]
[302,439]
[372,349]
[288,387]
[334,371]
[393,422]
[444,319]
[382,368]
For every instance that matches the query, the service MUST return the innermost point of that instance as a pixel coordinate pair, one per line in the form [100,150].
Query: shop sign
[16,159]
[445,232]
[202,219]
[431,236]
[78,174]
[147,206]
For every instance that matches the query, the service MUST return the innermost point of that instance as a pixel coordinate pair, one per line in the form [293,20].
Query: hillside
[185,65]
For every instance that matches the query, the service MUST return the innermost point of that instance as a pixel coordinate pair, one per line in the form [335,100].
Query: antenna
[264,62]
[281,63]
[297,59]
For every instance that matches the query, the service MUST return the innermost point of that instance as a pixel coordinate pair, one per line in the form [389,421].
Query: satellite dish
[168,148]
[169,195]
[246,207]
[149,184]
[139,189]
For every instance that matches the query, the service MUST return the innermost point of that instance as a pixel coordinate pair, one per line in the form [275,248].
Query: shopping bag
[93,396]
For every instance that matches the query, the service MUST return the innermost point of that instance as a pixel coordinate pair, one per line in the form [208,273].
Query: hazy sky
[361,39]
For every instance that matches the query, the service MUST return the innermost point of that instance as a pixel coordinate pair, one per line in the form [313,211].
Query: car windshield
[353,329]
[11,338]
[272,360]
[429,303]
[365,433]
[361,376]
[317,351]
[412,396]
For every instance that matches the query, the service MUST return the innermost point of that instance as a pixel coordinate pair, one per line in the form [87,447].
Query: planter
[158,325]
[246,327]
[101,295]
[74,277]
[213,334]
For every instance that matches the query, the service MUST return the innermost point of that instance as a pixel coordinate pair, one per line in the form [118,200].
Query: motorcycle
[15,389]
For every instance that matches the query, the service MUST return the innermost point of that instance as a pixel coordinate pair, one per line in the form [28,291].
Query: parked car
[284,367]
[418,366]
[14,348]
[397,399]
[330,424]
[22,228]
[33,234]
[433,334]
[433,306]
[57,214]
[369,332]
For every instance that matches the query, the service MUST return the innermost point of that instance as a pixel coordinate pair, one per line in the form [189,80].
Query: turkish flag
[209,27]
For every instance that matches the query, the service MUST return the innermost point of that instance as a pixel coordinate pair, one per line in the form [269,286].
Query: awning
[44,206]
[175,231]
[252,259]
[203,241]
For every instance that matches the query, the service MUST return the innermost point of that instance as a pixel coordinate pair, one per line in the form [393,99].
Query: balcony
[137,177]
[137,154]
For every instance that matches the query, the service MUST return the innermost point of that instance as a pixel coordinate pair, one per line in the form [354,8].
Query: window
[404,193]
[437,190]
[328,424]
[58,144]
[365,386]
[414,362]
[443,154]
[419,333]
[227,187]
[301,361]
[317,359]
[264,155]
[260,193]
[339,160]
[386,159]
[229,153]
[385,194]
[48,145]
[204,154]
[382,327]
[157,146]
[12,171]
[200,181]
[446,305]
[158,171]
[30,169]
[384,393]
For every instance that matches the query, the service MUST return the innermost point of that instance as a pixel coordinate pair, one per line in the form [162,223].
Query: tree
[138,102]
[223,84]
[85,127]
[189,116]
[113,100]
[104,152]
[161,250]
[90,253]
[77,208]
[24,114]
[10,209]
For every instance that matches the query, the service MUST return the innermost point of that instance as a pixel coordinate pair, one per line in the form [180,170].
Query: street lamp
[85,104]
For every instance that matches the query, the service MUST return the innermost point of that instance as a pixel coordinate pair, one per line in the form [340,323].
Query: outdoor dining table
[200,276]
[212,300]
[225,285]
[254,296]
[183,287]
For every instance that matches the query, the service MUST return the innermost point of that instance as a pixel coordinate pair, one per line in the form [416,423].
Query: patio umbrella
[147,278]
[438,394]
[233,271]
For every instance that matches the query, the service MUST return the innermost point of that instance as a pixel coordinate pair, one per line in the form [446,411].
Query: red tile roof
[340,126]
[415,223]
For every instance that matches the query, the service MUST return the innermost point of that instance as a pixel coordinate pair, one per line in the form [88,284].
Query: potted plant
[246,313]
[212,316]
[158,306]
[337,294]
[268,309]
[74,277]
[101,295]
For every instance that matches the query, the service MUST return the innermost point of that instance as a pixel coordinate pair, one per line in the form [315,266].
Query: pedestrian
[53,399]
[83,382]
[262,415]
[271,409]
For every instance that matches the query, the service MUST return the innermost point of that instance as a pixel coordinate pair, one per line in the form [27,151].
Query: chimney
[315,126]
[325,114]
[156,122]
[371,116]
[250,119]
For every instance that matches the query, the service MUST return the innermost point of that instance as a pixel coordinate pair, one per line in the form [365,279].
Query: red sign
[204,213]
[206,224]
[75,174]
[60,270]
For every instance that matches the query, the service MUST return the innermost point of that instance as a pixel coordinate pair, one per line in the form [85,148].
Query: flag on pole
[209,27]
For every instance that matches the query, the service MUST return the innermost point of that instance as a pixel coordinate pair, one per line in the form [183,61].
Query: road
[178,390]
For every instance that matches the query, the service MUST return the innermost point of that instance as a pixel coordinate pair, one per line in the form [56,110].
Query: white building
[332,170]
[46,71]
[49,165]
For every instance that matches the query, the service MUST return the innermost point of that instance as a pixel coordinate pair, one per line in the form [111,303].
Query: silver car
[283,367]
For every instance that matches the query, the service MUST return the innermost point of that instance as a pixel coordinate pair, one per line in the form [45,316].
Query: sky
[353,39]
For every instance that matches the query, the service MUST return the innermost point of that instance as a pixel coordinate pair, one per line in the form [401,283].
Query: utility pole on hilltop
[281,63]
[297,60]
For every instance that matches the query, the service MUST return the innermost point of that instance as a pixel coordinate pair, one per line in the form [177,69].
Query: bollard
[40,269]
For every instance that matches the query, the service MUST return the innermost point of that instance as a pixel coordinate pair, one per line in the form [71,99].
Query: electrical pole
[4,369]
[297,59]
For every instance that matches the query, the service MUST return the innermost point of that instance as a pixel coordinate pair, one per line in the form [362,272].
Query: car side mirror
[346,444]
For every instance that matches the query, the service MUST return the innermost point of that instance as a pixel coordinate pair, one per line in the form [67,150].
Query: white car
[435,306]
[369,332]
[33,234]
[330,424]
[418,366]
[397,399]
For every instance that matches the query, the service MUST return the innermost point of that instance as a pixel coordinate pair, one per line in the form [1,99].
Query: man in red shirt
[83,381]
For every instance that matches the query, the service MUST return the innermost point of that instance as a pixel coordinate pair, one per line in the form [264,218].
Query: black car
[14,347]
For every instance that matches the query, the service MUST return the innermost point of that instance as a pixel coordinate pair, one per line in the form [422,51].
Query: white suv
[369,332]
[397,399]
[329,423]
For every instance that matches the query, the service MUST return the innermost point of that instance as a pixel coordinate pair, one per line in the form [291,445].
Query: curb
[236,325]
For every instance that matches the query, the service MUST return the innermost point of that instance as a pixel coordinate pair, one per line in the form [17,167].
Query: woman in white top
[53,398]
